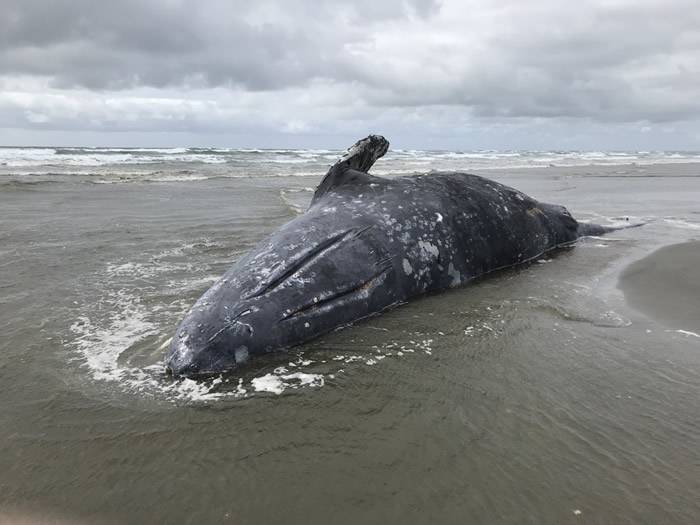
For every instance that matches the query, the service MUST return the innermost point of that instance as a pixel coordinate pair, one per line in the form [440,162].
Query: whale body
[366,244]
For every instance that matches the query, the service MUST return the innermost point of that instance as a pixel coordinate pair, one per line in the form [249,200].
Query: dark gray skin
[366,244]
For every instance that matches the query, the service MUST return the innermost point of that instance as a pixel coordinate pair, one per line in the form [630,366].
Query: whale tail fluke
[586,229]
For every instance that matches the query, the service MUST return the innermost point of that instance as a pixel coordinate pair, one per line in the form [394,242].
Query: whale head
[294,287]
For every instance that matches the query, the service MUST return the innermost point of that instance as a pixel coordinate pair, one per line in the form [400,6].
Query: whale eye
[241,354]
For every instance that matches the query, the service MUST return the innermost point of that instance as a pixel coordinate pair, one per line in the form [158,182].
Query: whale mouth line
[338,297]
[230,323]
[306,258]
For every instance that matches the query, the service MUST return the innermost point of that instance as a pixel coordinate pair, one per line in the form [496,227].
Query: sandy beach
[666,286]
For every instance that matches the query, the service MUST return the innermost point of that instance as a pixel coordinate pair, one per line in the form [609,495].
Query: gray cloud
[612,63]
[321,67]
[257,45]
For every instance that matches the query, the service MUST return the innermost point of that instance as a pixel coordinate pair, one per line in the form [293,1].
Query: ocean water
[114,165]
[540,394]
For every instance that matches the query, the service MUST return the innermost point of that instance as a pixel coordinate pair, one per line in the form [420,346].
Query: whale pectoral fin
[364,153]
[353,166]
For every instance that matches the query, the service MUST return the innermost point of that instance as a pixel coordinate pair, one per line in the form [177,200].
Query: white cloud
[455,74]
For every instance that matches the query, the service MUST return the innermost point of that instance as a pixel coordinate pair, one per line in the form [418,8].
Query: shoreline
[199,171]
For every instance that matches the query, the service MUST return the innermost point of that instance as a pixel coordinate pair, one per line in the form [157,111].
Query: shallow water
[535,395]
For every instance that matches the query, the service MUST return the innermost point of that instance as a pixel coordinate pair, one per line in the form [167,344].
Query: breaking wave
[35,157]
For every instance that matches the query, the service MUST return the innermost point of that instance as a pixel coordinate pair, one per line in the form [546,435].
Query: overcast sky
[452,74]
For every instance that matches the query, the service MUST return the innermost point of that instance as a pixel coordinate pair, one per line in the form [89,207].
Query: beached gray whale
[366,244]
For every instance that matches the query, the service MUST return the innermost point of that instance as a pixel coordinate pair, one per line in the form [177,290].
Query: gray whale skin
[366,244]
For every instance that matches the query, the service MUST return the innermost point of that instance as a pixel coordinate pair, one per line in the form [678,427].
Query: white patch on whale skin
[241,354]
[429,248]
[407,268]
[439,216]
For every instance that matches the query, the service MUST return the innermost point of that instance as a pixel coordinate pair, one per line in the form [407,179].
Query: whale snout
[183,368]
[191,356]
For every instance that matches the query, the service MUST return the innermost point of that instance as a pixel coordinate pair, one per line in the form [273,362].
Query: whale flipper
[353,166]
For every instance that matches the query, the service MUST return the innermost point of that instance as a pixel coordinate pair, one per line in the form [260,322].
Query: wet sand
[666,285]
[19,518]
